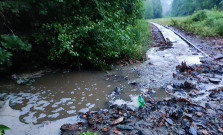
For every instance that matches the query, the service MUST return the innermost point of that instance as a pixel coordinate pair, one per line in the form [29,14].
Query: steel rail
[183,38]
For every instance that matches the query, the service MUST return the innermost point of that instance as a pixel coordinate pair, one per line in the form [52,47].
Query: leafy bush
[10,44]
[199,16]
[188,7]
[78,33]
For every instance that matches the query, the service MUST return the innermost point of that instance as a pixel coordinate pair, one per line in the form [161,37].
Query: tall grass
[167,21]
[139,40]
[203,22]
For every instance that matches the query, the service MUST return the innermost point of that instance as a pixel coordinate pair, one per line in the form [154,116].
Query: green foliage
[153,9]
[204,22]
[140,38]
[14,43]
[221,5]
[157,9]
[148,6]
[2,129]
[188,7]
[78,33]
[88,133]
[199,16]
[10,44]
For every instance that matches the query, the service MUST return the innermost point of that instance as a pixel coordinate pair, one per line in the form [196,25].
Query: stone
[205,132]
[214,80]
[188,85]
[105,129]
[125,127]
[220,130]
[199,114]
[193,131]
[169,121]
[117,121]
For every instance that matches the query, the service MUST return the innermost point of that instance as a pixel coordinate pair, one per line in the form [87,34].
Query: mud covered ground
[195,109]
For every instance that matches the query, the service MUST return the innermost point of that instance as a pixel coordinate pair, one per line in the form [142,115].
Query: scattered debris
[27,79]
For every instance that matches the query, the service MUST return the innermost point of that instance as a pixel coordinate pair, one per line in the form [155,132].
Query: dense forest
[188,7]
[153,9]
[76,33]
[166,7]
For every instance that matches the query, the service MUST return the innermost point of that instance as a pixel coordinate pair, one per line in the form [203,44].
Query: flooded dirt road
[57,98]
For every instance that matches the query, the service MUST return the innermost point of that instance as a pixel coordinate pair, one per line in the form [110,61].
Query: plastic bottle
[141,101]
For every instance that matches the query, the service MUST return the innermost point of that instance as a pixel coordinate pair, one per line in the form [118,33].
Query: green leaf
[3,127]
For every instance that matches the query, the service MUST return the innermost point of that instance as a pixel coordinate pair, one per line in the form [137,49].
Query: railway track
[164,30]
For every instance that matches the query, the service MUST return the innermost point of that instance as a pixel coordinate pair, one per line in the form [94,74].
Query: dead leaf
[160,124]
[220,130]
[205,132]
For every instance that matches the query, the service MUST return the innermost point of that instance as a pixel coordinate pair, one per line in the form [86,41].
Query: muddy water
[56,98]
[60,95]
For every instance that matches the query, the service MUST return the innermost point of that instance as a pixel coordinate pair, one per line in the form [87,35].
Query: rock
[188,85]
[118,90]
[117,121]
[214,80]
[199,114]
[105,129]
[124,127]
[69,127]
[169,87]
[167,99]
[91,121]
[197,108]
[193,131]
[218,57]
[177,86]
[135,84]
[117,132]
[188,115]
[211,112]
[160,124]
[212,105]
[220,130]
[181,132]
[169,121]
[205,132]
[140,132]
[177,114]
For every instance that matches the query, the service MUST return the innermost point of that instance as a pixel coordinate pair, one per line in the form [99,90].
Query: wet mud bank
[194,105]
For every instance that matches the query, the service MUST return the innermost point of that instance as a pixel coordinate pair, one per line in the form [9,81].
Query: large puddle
[59,95]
